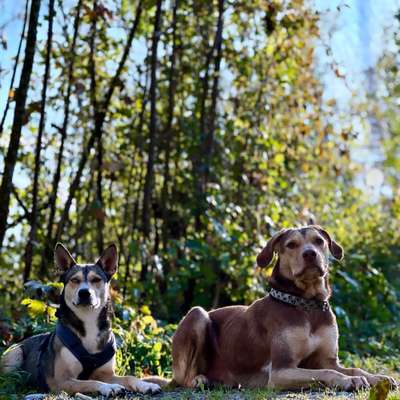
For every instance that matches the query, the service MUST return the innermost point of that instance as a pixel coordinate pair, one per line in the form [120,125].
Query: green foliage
[13,383]
[144,344]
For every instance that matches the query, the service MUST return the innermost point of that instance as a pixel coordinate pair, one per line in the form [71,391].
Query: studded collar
[299,302]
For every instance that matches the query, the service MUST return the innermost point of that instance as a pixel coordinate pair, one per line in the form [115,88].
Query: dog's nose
[84,294]
[309,255]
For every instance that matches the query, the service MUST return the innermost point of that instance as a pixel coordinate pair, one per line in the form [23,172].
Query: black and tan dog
[286,340]
[80,355]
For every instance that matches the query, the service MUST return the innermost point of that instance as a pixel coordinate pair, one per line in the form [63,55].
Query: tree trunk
[19,119]
[93,96]
[48,251]
[209,140]
[202,158]
[148,184]
[168,131]
[34,212]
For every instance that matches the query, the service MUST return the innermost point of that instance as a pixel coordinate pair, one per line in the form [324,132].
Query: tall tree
[19,118]
[168,134]
[33,220]
[48,249]
[148,184]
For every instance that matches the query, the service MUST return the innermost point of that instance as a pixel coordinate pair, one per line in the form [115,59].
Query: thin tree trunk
[34,212]
[202,159]
[48,251]
[138,178]
[148,184]
[3,119]
[98,128]
[19,117]
[209,141]
[168,130]
[93,96]
[99,198]
[198,156]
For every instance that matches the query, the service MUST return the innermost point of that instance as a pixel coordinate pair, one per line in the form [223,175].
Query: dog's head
[302,252]
[86,285]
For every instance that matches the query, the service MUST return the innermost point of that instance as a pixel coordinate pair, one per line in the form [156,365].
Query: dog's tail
[12,358]
[162,382]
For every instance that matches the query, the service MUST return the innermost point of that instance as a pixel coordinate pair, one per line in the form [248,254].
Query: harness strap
[89,361]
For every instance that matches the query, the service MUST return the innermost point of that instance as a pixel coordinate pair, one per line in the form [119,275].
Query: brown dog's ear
[335,249]
[265,257]
[63,258]
[109,260]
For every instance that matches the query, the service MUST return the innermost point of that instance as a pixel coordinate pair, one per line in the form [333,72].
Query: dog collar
[306,304]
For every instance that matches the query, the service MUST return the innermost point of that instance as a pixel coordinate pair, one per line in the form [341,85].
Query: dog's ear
[63,258]
[335,249]
[109,260]
[265,257]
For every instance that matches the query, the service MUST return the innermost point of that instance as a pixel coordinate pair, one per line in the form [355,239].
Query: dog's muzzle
[312,270]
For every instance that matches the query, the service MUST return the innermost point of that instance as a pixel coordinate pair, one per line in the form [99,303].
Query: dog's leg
[133,383]
[297,378]
[106,374]
[372,379]
[88,386]
[189,349]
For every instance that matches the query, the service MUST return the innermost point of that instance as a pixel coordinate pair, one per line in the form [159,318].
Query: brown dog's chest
[303,346]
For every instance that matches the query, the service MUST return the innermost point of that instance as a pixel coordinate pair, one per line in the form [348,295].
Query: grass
[14,387]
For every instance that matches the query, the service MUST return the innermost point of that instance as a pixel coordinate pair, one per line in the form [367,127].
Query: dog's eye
[75,280]
[96,280]
[291,245]
[319,241]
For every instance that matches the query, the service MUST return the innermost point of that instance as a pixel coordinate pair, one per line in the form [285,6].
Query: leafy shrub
[144,344]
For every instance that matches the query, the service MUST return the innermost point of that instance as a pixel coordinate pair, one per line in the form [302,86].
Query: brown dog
[286,340]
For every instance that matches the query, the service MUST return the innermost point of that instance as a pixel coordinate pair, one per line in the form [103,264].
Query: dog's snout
[309,254]
[84,294]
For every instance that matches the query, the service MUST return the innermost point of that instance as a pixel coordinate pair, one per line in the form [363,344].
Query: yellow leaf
[35,307]
[145,310]
[11,94]
[279,158]
[148,320]
[157,346]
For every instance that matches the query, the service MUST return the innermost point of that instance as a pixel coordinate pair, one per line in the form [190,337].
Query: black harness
[89,361]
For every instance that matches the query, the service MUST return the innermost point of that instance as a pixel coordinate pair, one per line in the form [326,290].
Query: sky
[361,32]
[357,31]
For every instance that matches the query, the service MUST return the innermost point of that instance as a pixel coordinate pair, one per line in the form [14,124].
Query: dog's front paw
[374,379]
[146,387]
[354,383]
[111,389]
